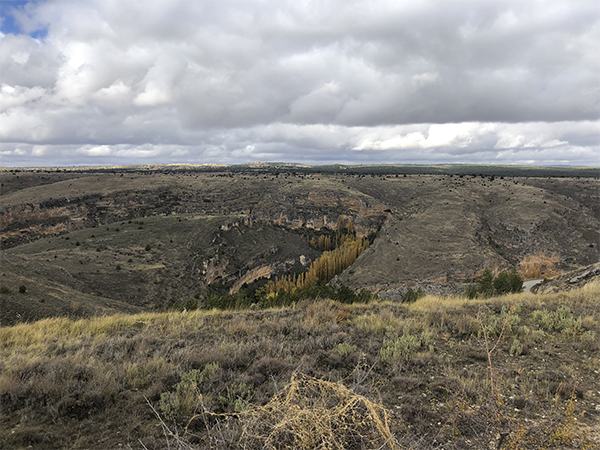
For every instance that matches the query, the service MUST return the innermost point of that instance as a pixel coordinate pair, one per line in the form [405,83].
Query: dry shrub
[343,316]
[322,314]
[265,368]
[538,265]
[589,322]
[379,322]
[316,414]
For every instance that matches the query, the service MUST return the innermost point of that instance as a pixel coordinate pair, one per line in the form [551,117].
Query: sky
[112,82]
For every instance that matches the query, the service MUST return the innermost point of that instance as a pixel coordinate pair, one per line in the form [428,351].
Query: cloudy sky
[94,82]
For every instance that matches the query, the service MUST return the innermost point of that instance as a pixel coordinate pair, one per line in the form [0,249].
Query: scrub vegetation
[515,371]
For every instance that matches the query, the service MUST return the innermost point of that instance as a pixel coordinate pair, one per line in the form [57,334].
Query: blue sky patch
[8,23]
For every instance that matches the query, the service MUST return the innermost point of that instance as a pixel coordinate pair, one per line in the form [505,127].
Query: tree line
[339,252]
[487,285]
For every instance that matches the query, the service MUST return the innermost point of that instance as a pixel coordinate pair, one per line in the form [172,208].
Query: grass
[261,379]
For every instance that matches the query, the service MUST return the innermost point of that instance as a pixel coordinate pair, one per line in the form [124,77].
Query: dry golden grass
[317,414]
[539,265]
[60,373]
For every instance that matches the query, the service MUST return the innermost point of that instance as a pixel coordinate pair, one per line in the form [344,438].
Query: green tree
[485,283]
[503,283]
[516,282]
[471,291]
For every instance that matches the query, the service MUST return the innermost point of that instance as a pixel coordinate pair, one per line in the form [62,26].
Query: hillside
[364,376]
[95,240]
[108,276]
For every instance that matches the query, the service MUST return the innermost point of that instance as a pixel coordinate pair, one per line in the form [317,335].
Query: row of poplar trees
[346,248]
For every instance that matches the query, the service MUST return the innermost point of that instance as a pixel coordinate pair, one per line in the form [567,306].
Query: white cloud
[100,150]
[234,80]
[154,94]
[40,150]
[116,95]
[13,96]
[432,136]
[425,78]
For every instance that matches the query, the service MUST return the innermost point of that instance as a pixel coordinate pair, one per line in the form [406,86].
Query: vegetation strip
[423,365]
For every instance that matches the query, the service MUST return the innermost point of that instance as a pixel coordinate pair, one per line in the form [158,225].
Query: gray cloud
[364,81]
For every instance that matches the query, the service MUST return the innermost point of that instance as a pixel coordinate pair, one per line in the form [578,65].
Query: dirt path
[527,285]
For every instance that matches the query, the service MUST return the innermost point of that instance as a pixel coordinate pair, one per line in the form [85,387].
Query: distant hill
[87,241]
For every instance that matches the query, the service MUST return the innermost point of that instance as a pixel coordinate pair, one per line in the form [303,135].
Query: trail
[527,285]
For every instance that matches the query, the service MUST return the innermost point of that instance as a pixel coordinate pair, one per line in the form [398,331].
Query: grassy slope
[81,384]
[449,227]
[107,269]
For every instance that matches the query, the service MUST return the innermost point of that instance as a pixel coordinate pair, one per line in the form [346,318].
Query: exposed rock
[585,275]
[214,268]
[570,280]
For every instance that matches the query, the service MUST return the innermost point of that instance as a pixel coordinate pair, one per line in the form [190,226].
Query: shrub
[516,348]
[4,289]
[236,398]
[561,320]
[345,295]
[589,341]
[191,304]
[544,319]
[344,349]
[397,347]
[22,289]
[148,248]
[494,324]
[411,296]
[181,403]
[471,291]
[238,300]
[312,413]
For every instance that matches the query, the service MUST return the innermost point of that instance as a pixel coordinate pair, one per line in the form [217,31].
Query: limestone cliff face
[294,209]
[252,275]
[570,280]
[32,221]
[25,223]
[214,269]
[318,210]
[263,272]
